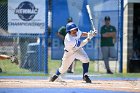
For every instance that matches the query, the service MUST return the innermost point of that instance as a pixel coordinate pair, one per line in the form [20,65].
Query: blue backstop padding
[77,10]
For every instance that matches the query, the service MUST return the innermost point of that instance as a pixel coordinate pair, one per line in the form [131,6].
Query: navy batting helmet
[71,26]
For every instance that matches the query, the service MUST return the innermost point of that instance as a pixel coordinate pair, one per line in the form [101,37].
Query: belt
[66,50]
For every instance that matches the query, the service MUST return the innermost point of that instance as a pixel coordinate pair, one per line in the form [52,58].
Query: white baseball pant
[69,57]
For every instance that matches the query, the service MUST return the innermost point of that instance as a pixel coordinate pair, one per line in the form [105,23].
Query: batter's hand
[94,32]
[90,35]
[14,59]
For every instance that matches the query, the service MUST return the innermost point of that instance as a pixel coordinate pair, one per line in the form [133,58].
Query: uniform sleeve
[79,33]
[73,44]
[69,43]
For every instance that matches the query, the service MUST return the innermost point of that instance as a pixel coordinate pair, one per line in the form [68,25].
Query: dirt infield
[115,85]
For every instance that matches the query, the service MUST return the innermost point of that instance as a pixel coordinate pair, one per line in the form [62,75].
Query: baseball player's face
[73,32]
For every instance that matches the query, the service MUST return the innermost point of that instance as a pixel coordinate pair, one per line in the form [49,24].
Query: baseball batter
[73,50]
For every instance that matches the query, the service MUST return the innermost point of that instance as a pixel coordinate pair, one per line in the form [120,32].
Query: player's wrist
[89,36]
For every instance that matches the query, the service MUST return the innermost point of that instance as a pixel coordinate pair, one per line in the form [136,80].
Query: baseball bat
[90,16]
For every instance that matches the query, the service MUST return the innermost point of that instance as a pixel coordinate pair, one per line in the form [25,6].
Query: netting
[61,10]
[23,34]
[32,54]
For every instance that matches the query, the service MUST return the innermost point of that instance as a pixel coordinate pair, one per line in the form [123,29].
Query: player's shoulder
[79,32]
[67,37]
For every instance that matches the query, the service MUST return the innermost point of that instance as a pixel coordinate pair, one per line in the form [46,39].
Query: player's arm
[84,34]
[12,58]
[89,36]
[91,32]
[110,34]
[76,44]
[3,57]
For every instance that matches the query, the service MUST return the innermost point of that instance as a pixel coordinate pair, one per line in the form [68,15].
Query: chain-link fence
[77,10]
[29,52]
[29,49]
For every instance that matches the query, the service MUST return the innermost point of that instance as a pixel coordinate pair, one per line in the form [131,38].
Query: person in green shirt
[62,31]
[61,34]
[108,36]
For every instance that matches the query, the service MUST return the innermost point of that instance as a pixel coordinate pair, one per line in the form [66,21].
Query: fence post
[46,40]
[121,37]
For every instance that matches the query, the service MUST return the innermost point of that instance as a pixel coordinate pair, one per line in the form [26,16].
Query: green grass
[14,70]
[55,64]
[10,69]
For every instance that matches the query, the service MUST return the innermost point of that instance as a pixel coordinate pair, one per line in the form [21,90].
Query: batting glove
[90,36]
[93,32]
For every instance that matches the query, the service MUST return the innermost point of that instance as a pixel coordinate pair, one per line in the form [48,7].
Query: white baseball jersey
[72,52]
[70,41]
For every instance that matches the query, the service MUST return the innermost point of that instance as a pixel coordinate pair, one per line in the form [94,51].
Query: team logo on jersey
[26,11]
